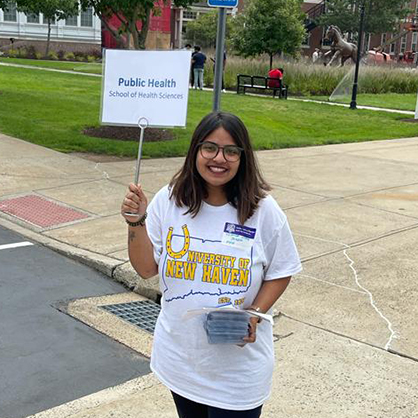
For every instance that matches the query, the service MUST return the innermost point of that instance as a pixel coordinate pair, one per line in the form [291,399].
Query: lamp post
[353,104]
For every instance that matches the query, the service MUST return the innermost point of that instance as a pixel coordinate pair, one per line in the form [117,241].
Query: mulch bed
[409,120]
[129,133]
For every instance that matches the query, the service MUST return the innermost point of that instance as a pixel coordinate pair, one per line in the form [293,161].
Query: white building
[78,33]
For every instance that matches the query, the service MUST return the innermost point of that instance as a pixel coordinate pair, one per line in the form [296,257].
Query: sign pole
[219,61]
[143,124]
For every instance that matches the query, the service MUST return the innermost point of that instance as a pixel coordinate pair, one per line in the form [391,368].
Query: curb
[120,271]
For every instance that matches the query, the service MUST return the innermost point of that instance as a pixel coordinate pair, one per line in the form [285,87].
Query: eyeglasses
[209,150]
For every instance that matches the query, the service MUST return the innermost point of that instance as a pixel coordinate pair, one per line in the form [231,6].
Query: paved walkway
[346,335]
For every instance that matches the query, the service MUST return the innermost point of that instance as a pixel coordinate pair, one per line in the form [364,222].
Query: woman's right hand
[135,202]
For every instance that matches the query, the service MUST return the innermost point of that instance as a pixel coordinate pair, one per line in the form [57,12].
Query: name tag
[238,236]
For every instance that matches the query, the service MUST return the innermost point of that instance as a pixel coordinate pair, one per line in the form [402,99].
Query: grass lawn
[51,109]
[85,67]
[388,100]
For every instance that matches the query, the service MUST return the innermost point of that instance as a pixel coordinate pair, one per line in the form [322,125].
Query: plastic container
[227,327]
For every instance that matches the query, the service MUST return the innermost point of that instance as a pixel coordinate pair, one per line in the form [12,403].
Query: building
[159,33]
[402,43]
[180,17]
[83,33]
[314,34]
[78,33]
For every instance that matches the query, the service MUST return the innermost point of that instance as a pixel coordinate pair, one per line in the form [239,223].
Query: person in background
[276,77]
[214,235]
[315,56]
[198,62]
[188,47]
[223,70]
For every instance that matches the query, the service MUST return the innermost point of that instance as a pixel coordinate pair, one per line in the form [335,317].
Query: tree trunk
[48,39]
[120,40]
[142,34]
[271,61]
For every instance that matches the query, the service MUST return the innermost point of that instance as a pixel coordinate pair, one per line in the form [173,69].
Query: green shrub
[31,51]
[13,53]
[79,58]
[23,53]
[91,58]
[38,55]
[69,56]
[52,55]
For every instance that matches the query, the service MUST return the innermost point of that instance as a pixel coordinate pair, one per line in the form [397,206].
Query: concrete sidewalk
[346,334]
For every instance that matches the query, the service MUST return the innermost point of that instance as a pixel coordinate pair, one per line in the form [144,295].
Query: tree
[269,27]
[134,16]
[203,30]
[51,9]
[381,15]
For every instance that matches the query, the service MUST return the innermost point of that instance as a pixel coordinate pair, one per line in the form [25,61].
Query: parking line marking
[15,245]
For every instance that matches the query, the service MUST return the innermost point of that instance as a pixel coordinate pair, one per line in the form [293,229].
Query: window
[307,39]
[32,18]
[403,43]
[383,40]
[10,14]
[45,20]
[87,18]
[183,28]
[71,21]
[188,14]
[414,41]
[392,47]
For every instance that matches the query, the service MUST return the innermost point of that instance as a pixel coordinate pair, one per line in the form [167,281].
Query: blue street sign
[223,3]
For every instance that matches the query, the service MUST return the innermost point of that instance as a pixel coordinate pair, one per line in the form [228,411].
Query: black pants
[189,409]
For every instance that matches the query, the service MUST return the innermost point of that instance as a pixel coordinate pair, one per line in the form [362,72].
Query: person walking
[198,62]
[214,235]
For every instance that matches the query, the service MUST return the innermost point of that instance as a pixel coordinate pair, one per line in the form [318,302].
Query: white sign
[145,84]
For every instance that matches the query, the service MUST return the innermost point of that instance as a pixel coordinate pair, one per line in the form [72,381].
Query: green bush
[79,58]
[13,53]
[91,58]
[38,55]
[52,55]
[22,52]
[31,51]
[69,56]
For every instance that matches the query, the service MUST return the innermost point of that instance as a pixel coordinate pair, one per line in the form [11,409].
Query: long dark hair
[243,192]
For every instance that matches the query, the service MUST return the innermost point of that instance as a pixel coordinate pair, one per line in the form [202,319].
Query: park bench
[245,82]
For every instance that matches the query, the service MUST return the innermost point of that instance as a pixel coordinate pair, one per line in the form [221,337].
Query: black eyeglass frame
[220,148]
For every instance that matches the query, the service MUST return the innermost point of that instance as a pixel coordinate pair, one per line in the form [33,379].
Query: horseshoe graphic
[183,251]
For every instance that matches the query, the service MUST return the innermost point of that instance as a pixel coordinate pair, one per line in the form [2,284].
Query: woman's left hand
[252,327]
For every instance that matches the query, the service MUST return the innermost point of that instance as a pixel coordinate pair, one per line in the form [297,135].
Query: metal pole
[143,124]
[353,104]
[220,44]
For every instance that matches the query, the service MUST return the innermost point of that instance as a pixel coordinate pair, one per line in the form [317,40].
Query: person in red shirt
[277,75]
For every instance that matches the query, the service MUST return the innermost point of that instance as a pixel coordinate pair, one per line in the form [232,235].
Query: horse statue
[339,47]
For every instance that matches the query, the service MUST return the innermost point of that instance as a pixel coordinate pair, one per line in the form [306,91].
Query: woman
[215,237]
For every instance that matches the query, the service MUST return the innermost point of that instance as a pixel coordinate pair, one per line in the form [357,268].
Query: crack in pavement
[393,334]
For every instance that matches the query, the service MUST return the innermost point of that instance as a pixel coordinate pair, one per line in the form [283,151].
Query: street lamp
[353,104]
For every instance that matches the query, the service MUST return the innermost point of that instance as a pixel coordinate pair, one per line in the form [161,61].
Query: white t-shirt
[206,261]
